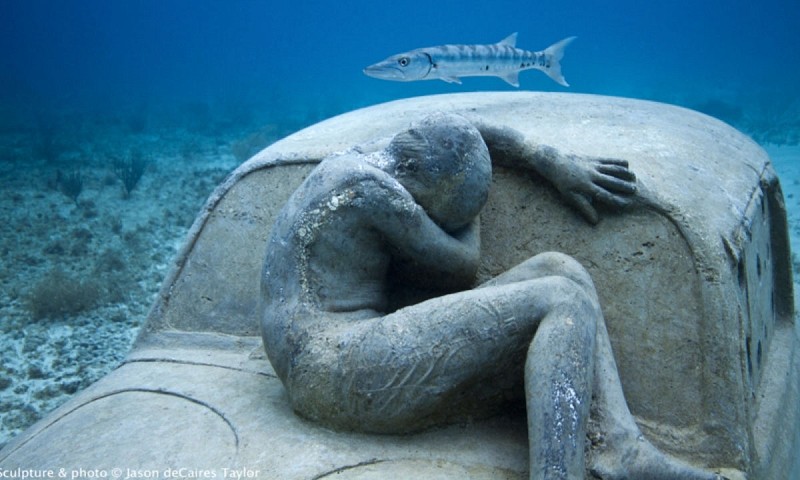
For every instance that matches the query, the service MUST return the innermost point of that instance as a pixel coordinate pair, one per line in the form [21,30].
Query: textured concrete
[695,283]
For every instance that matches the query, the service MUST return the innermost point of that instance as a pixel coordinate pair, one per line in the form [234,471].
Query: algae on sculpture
[373,323]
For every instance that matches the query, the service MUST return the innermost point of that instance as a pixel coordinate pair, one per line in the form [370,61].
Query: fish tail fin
[554,54]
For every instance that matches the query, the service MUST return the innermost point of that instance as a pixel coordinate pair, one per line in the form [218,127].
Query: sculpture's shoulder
[353,179]
[353,166]
[341,192]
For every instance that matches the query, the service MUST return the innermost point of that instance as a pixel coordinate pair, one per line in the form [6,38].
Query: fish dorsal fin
[510,40]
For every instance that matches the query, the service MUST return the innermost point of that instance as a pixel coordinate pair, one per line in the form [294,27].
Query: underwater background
[118,118]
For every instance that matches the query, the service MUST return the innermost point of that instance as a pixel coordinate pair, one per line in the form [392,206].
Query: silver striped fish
[451,62]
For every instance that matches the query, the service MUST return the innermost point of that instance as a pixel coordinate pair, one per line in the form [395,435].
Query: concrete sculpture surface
[693,277]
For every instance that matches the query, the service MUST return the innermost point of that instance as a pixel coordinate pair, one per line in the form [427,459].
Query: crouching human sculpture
[372,321]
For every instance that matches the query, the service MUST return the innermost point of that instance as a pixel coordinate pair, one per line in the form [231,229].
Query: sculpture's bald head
[444,163]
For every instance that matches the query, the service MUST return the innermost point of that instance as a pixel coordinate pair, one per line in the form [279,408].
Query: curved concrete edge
[161,301]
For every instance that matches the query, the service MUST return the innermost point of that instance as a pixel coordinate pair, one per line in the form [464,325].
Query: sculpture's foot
[634,458]
[619,450]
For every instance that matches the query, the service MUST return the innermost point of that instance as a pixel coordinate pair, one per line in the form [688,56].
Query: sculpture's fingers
[614,184]
[609,198]
[584,206]
[613,161]
[618,171]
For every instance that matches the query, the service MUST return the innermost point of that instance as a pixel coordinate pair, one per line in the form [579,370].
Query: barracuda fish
[451,62]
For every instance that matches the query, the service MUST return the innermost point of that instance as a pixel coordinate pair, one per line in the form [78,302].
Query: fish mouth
[384,72]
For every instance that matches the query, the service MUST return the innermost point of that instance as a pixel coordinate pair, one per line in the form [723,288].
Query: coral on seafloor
[130,170]
[59,293]
[70,184]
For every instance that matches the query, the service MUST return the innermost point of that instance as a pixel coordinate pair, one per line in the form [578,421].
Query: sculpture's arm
[415,237]
[582,181]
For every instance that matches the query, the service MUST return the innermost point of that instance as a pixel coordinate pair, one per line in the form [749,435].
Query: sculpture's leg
[559,370]
[558,388]
[620,451]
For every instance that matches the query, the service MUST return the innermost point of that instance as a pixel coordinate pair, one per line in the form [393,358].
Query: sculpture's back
[694,281]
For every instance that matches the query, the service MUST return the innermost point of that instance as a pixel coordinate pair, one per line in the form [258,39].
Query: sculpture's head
[444,163]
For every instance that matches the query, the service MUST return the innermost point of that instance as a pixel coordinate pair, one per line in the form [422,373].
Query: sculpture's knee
[573,297]
[562,265]
[311,389]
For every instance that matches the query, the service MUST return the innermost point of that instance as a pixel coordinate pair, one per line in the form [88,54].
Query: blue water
[195,86]
[309,55]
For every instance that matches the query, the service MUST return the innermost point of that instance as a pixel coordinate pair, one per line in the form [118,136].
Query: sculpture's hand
[585,182]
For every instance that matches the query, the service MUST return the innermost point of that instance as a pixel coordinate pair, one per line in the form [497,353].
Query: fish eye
[404,61]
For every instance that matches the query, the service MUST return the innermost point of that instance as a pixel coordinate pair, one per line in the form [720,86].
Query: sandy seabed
[78,277]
